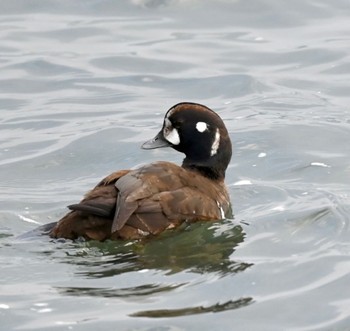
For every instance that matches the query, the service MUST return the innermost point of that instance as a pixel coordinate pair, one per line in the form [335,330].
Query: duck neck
[209,169]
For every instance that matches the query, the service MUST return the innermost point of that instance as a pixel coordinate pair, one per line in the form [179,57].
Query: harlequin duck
[131,204]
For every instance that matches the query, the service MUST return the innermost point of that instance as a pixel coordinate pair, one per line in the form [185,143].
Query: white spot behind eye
[201,126]
[216,143]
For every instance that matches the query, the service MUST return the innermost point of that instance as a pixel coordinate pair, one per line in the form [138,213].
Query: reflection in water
[199,247]
[218,307]
[203,248]
[142,290]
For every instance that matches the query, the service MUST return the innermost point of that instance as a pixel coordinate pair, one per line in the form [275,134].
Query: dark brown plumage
[131,204]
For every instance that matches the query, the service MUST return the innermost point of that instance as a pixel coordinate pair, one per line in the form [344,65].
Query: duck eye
[167,126]
[166,130]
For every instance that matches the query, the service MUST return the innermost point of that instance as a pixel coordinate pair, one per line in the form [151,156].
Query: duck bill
[157,142]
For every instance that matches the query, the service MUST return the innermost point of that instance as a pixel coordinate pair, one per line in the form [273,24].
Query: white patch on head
[216,143]
[170,133]
[201,126]
[173,137]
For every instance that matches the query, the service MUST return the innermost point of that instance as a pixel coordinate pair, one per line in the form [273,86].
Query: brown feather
[149,199]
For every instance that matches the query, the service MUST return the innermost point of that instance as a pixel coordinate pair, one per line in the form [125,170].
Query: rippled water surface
[84,83]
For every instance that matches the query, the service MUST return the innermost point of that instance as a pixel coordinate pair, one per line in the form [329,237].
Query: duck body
[132,204]
[145,201]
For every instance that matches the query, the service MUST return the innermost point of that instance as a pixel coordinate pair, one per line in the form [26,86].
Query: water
[84,83]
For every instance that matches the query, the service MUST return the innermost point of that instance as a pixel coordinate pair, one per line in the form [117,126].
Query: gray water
[84,83]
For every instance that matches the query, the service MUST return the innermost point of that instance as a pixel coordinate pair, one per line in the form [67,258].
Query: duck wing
[163,195]
[138,203]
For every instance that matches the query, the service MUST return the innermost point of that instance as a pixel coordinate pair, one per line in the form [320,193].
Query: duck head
[199,133]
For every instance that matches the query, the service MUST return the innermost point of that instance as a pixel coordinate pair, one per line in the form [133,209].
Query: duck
[155,197]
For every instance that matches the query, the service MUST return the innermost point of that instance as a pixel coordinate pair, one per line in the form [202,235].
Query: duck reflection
[199,247]
[203,248]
